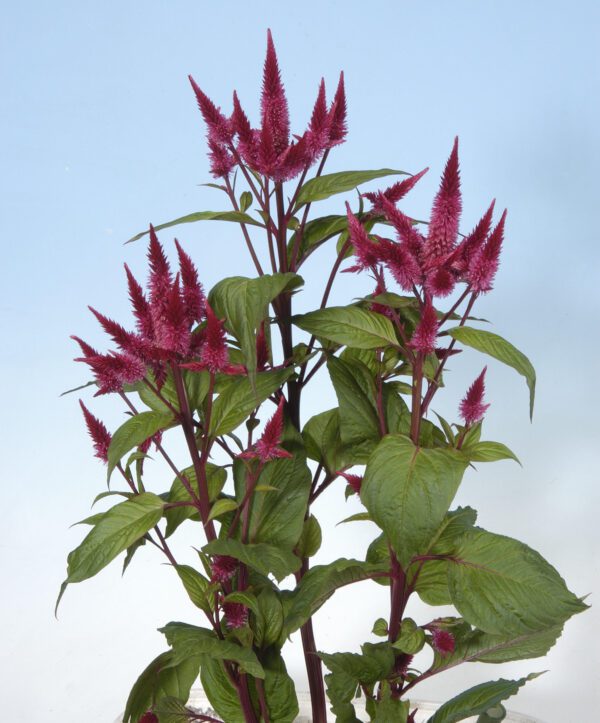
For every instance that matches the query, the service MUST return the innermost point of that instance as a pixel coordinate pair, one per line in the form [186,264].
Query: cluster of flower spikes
[165,320]
[436,261]
[269,150]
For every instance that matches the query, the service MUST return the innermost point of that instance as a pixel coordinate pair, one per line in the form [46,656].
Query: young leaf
[220,691]
[502,586]
[408,491]
[235,216]
[310,539]
[330,184]
[280,692]
[489,452]
[478,699]
[323,441]
[196,587]
[349,325]
[499,348]
[316,232]
[215,478]
[133,432]
[222,506]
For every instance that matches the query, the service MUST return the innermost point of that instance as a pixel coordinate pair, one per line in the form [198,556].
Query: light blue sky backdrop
[100,135]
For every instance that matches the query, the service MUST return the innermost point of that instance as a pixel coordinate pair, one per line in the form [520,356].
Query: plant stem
[235,205]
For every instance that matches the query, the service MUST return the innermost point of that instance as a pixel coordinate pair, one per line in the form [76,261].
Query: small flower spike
[100,435]
[425,334]
[485,261]
[472,407]
[443,641]
[223,568]
[268,447]
[236,614]
[354,480]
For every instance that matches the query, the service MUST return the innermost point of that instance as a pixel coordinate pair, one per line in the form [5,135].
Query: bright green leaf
[263,558]
[235,216]
[349,325]
[133,432]
[317,189]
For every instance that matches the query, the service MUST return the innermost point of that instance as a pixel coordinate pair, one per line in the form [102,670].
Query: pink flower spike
[125,340]
[139,303]
[367,253]
[401,263]
[472,407]
[221,160]
[405,228]
[267,448]
[354,480]
[484,264]
[193,293]
[223,568]
[112,371]
[445,215]
[274,106]
[160,276]
[247,138]
[443,641]
[440,282]
[236,614]
[173,329]
[214,354]
[395,193]
[87,350]
[338,128]
[464,252]
[425,334]
[219,128]
[100,435]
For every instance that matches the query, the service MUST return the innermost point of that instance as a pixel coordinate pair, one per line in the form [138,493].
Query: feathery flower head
[440,281]
[394,193]
[354,480]
[338,127]
[274,106]
[425,334]
[268,447]
[156,438]
[218,126]
[445,214]
[160,276]
[139,303]
[443,641]
[484,264]
[172,329]
[112,370]
[214,354]
[130,343]
[193,294]
[472,407]
[223,568]
[100,435]
[367,253]
[401,262]
[461,256]
[236,614]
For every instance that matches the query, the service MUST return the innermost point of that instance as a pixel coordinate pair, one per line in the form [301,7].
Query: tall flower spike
[218,126]
[472,407]
[214,354]
[274,104]
[160,273]
[268,446]
[87,350]
[367,253]
[445,214]
[425,334]
[338,110]
[100,435]
[485,261]
[193,294]
[139,303]
[394,193]
[247,138]
[320,125]
[125,340]
[461,257]
[173,331]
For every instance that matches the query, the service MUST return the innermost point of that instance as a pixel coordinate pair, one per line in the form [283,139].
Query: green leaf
[215,478]
[357,517]
[488,452]
[408,491]
[380,627]
[159,680]
[247,599]
[319,584]
[322,437]
[220,691]
[341,689]
[244,304]
[171,710]
[267,624]
[189,641]
[310,539]
[411,639]
[359,422]
[503,587]
[389,709]
[478,699]
[328,185]
[280,692]
[263,558]
[117,530]
[131,552]
[133,432]
[196,586]
[349,325]
[374,664]
[222,506]
[499,348]
[235,216]
[239,398]
[316,232]
[245,200]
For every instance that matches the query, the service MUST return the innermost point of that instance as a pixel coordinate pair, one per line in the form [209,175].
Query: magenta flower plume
[248,138]
[130,343]
[440,282]
[443,641]
[173,330]
[274,106]
[484,264]
[425,334]
[472,407]
[113,370]
[100,435]
[223,568]
[380,288]
[236,614]
[214,354]
[354,480]
[218,126]
[160,276]
[404,227]
[445,215]
[320,125]
[394,193]
[401,263]
[461,257]
[268,447]
[338,128]
[87,350]
[368,255]
[141,308]
[193,294]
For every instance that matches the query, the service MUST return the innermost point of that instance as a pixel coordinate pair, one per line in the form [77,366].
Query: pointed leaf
[349,325]
[235,216]
[133,432]
[317,189]
[263,558]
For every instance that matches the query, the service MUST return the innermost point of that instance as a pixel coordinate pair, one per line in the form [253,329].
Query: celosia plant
[213,366]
